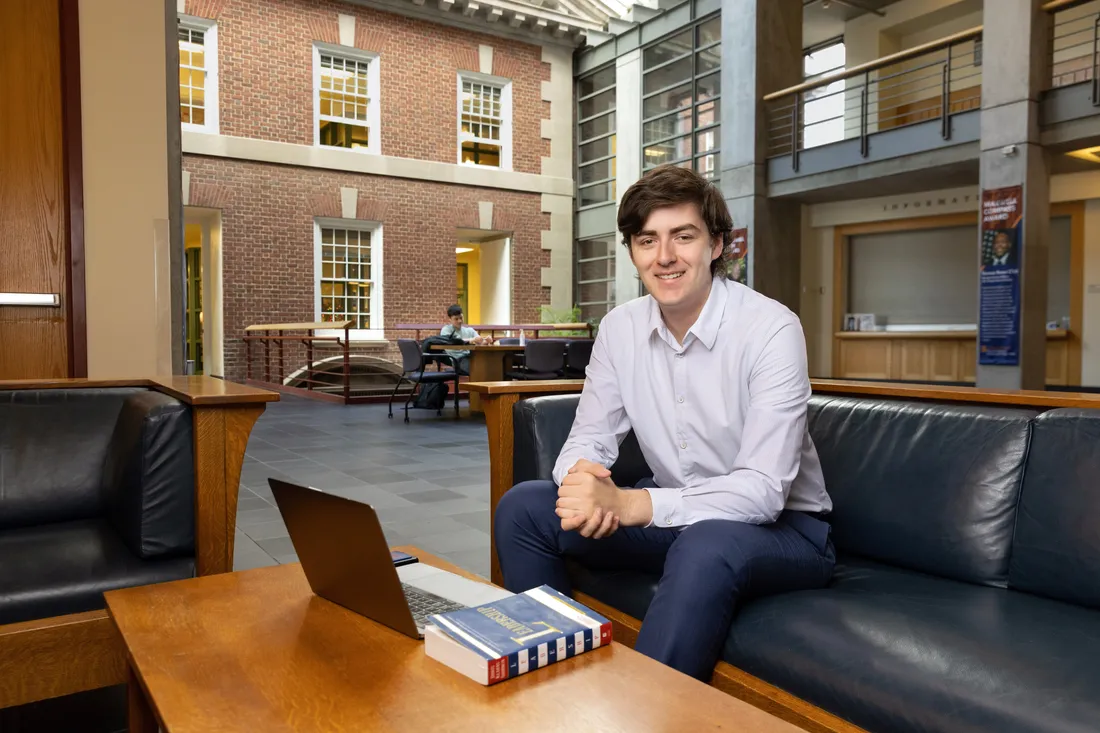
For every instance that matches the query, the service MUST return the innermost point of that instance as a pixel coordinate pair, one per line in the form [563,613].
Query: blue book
[512,636]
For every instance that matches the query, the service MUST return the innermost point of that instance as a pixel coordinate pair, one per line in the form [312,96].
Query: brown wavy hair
[671,185]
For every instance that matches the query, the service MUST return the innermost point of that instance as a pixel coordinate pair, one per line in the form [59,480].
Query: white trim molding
[375,332]
[353,161]
[374,97]
[209,29]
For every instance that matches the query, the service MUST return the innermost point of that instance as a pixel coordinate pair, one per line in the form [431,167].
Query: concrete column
[628,162]
[1014,66]
[761,53]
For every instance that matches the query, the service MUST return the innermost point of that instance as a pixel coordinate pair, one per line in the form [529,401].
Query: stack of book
[505,639]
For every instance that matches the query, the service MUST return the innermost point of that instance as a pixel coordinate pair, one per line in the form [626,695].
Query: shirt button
[680,399]
[683,444]
[679,354]
[668,519]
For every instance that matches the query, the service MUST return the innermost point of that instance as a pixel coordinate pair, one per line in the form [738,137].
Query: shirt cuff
[668,508]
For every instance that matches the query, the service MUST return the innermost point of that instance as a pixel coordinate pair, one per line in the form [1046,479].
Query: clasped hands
[589,502]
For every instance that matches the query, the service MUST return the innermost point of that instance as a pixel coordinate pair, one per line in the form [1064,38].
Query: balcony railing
[931,81]
[1074,44]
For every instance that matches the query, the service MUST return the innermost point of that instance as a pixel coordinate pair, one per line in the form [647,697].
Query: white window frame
[376,331]
[209,29]
[374,95]
[505,141]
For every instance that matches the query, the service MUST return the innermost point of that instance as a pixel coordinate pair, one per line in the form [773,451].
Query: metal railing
[1074,53]
[932,81]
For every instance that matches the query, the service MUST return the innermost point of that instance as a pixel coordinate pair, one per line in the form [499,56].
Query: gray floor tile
[425,527]
[435,495]
[475,561]
[258,516]
[286,559]
[358,452]
[477,520]
[249,503]
[466,539]
[265,531]
[277,546]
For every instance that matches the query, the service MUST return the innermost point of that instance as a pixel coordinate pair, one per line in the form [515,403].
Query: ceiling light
[463,250]
[1090,154]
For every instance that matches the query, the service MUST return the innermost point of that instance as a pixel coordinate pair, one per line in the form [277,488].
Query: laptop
[346,560]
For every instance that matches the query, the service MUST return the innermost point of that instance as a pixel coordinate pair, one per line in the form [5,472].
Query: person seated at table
[712,378]
[469,335]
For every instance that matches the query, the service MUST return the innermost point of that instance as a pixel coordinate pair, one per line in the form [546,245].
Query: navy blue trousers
[706,568]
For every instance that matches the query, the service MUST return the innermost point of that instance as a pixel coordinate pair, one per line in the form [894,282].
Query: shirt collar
[706,326]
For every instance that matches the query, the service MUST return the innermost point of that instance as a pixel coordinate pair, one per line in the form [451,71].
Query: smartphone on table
[402,558]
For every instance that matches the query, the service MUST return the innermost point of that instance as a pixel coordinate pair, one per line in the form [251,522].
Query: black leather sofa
[966,595]
[97,492]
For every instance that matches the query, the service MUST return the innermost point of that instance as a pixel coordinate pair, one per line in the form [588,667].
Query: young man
[467,334]
[712,378]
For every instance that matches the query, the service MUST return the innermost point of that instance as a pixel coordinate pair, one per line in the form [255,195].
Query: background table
[257,651]
[486,364]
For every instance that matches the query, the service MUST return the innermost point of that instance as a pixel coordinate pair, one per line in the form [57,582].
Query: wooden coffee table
[257,651]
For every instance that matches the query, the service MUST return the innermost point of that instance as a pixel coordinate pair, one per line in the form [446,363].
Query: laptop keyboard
[423,604]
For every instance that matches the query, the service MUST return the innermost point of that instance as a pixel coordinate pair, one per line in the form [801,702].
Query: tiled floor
[428,480]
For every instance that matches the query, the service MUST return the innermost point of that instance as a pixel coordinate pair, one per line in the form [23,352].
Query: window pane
[666,101]
[597,171]
[708,165]
[598,126]
[668,151]
[478,153]
[344,134]
[597,292]
[589,248]
[595,270]
[706,114]
[677,123]
[597,194]
[667,50]
[598,149]
[710,31]
[706,141]
[667,75]
[595,105]
[708,60]
[708,86]
[595,82]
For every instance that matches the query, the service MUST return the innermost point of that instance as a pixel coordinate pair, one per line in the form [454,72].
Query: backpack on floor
[431,396]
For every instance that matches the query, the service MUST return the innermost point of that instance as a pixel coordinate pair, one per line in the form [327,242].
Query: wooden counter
[934,356]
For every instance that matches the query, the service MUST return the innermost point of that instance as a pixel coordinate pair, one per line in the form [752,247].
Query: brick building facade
[253,161]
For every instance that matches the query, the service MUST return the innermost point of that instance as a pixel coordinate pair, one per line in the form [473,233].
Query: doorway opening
[202,236]
[483,275]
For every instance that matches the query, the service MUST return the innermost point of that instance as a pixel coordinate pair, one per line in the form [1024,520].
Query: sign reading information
[999,303]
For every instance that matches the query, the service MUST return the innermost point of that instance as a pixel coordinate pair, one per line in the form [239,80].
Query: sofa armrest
[149,476]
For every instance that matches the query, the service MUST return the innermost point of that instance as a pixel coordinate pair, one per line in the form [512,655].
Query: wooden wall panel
[34,256]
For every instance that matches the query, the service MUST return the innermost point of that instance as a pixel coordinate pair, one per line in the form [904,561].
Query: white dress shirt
[721,419]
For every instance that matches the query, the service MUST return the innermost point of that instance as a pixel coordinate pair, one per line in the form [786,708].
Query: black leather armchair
[967,590]
[96,492]
[104,485]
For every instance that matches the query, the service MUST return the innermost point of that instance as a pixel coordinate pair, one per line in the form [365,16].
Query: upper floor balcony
[912,120]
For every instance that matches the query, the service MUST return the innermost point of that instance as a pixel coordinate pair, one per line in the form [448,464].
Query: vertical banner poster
[999,277]
[739,251]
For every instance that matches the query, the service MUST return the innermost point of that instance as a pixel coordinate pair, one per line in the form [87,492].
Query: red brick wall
[267,241]
[265,75]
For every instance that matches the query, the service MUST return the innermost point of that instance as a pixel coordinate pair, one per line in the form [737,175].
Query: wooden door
[34,226]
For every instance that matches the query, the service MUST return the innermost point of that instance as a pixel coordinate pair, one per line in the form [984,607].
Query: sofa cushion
[891,649]
[1056,550]
[929,487]
[629,591]
[55,569]
[53,443]
[541,426]
[149,476]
